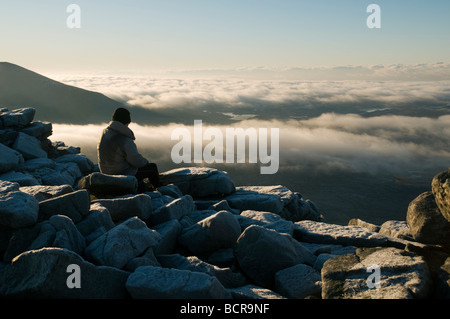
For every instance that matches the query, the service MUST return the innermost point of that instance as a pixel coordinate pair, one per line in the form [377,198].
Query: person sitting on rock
[118,153]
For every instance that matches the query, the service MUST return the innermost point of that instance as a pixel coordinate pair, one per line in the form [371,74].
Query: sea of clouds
[372,125]
[375,136]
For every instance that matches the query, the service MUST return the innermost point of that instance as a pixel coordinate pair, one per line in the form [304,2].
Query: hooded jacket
[117,151]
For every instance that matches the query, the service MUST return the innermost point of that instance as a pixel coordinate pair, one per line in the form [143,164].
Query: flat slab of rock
[199,181]
[318,232]
[150,282]
[44,192]
[401,275]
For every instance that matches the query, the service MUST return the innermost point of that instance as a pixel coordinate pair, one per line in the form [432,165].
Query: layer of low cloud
[227,99]
[408,146]
[380,119]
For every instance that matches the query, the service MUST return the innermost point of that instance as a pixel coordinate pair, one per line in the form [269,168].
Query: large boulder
[376,273]
[426,222]
[162,283]
[52,273]
[254,292]
[84,163]
[217,231]
[122,243]
[112,185]
[10,159]
[29,146]
[59,231]
[74,205]
[124,207]
[16,118]
[96,223]
[441,191]
[256,198]
[18,209]
[275,199]
[199,181]
[262,252]
[169,232]
[298,282]
[23,179]
[176,209]
[226,276]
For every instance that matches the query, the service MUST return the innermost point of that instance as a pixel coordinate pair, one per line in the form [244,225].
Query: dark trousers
[149,171]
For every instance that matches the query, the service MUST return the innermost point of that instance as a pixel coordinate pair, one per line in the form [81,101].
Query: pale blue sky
[149,35]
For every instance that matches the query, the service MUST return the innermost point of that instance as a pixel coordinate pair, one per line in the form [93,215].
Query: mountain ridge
[55,102]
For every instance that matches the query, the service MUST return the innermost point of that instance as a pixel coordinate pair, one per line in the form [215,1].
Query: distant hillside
[55,102]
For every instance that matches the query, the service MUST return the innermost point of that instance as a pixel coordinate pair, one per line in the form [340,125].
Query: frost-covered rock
[29,147]
[17,118]
[176,209]
[226,276]
[44,192]
[162,283]
[401,275]
[169,232]
[124,207]
[122,243]
[199,181]
[265,219]
[59,231]
[10,159]
[112,185]
[298,282]
[45,273]
[96,223]
[324,233]
[74,205]
[217,231]
[262,252]
[18,209]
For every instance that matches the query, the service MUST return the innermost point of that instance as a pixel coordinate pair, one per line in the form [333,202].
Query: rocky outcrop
[198,236]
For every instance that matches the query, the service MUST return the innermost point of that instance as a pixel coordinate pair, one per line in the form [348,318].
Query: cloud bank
[224,100]
[409,146]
